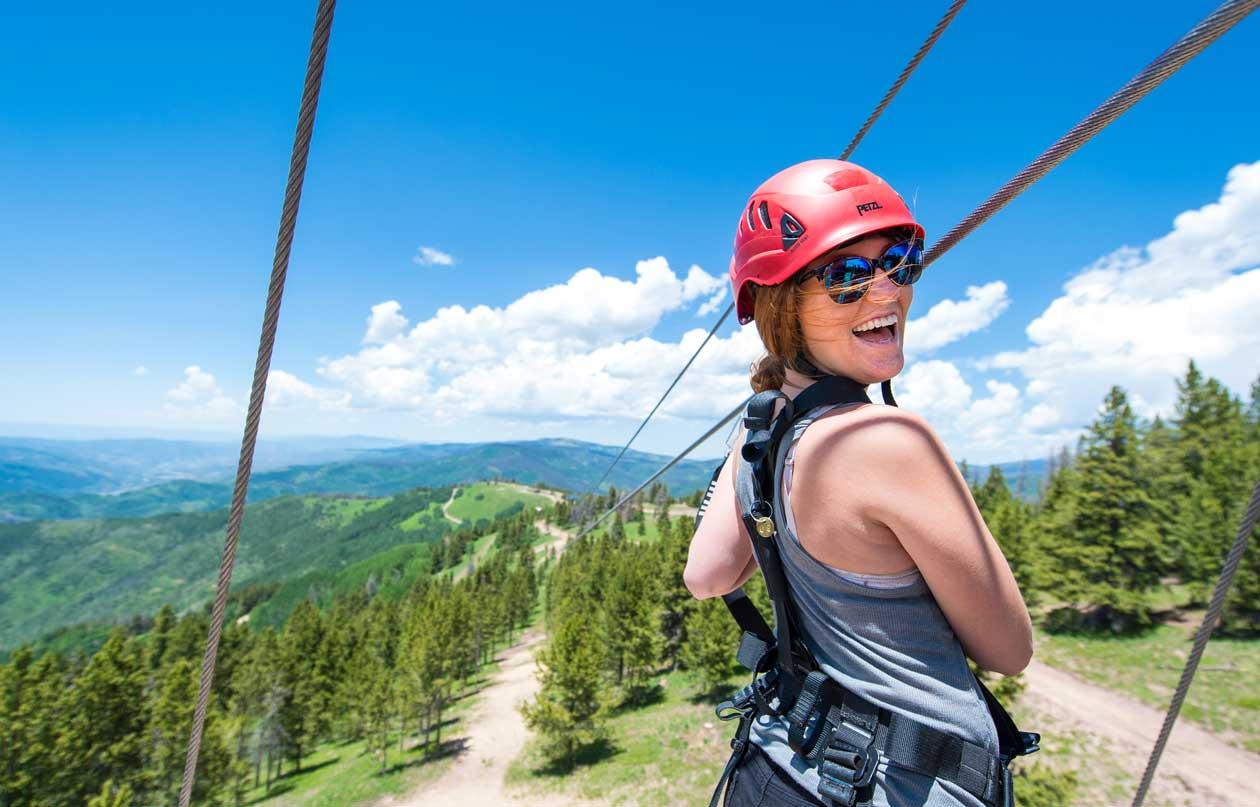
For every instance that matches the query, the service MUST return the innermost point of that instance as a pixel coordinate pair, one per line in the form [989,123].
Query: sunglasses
[848,277]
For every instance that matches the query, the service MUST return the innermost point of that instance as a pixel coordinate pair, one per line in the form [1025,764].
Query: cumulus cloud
[199,398]
[141,370]
[429,256]
[581,348]
[1136,316]
[993,426]
[287,390]
[712,304]
[950,320]
[384,323]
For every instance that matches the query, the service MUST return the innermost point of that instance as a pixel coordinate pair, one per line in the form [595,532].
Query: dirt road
[493,735]
[1197,767]
[449,517]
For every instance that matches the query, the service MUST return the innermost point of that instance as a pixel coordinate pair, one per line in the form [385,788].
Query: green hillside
[487,500]
[66,572]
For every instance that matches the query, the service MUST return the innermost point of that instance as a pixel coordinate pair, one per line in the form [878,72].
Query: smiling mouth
[878,331]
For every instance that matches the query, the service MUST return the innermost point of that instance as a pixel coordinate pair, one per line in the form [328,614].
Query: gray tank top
[892,646]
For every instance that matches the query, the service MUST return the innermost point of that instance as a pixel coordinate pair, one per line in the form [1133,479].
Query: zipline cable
[729,417]
[941,25]
[271,317]
[944,22]
[1226,16]
[1200,640]
[665,395]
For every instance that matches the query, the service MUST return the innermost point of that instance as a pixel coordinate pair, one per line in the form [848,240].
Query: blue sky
[143,152]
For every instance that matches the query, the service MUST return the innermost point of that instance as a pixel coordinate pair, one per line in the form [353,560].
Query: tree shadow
[1095,621]
[315,767]
[711,696]
[640,696]
[449,748]
[589,754]
[278,788]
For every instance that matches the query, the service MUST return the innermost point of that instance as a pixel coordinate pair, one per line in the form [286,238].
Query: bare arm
[720,558]
[906,481]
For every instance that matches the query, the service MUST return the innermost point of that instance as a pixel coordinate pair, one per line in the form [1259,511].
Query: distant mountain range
[134,478]
[63,479]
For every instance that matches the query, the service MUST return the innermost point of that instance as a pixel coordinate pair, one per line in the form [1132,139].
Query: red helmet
[802,212]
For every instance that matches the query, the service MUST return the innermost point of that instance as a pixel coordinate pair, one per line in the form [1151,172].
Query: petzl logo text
[868,207]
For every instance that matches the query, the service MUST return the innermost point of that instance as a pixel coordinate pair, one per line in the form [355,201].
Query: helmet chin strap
[811,369]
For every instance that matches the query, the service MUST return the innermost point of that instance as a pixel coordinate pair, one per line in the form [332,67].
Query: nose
[883,290]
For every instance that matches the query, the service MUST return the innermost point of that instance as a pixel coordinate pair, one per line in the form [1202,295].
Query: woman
[892,571]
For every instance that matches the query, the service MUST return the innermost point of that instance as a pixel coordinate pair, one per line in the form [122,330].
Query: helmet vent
[763,210]
[751,224]
[792,230]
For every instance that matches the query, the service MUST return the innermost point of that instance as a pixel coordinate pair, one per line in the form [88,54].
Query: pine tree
[1108,553]
[676,600]
[632,605]
[1242,606]
[30,695]
[1008,520]
[167,741]
[103,721]
[1213,449]
[711,643]
[571,707]
[305,664]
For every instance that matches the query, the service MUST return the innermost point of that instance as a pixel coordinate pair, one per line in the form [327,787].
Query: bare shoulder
[874,436]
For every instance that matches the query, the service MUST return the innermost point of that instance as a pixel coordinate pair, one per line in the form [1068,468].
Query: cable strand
[1201,637]
[262,366]
[1226,16]
[941,25]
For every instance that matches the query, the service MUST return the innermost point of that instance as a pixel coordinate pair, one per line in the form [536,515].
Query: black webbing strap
[846,736]
[754,488]
[739,744]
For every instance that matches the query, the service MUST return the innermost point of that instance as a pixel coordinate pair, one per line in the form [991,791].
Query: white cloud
[993,427]
[384,323]
[712,304]
[576,349]
[950,320]
[141,370]
[287,390]
[199,398]
[429,256]
[1136,316]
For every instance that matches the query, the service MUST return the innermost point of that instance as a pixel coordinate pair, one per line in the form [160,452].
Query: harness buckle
[848,767]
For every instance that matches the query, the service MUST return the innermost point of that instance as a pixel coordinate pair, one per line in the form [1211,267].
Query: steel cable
[941,25]
[271,316]
[729,417]
[665,395]
[1200,641]
[944,22]
[1226,16]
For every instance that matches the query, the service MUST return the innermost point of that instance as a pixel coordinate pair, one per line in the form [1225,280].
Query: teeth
[891,319]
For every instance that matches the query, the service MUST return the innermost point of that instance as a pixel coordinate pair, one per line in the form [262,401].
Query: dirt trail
[493,736]
[449,517]
[1197,767]
[561,535]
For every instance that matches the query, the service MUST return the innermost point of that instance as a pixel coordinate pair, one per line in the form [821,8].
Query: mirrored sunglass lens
[904,263]
[847,280]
